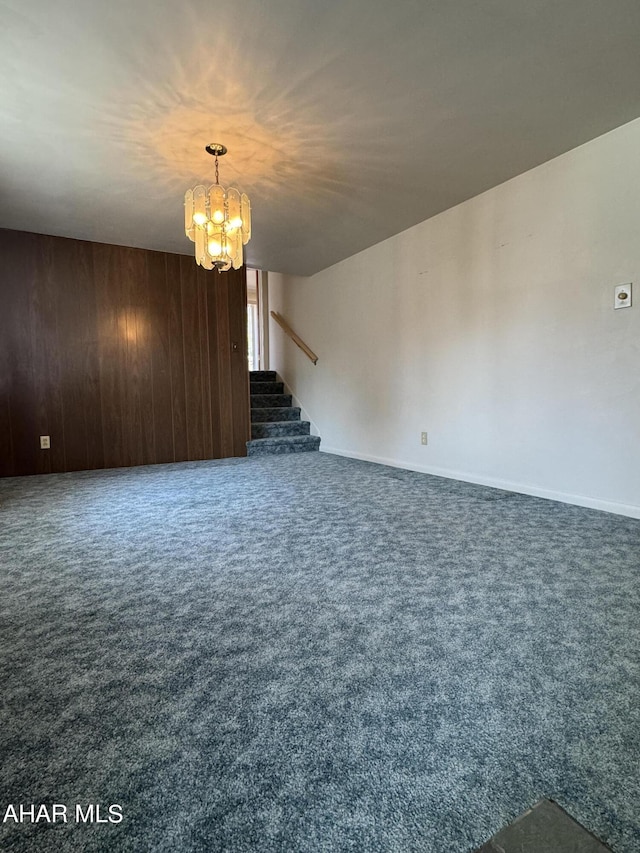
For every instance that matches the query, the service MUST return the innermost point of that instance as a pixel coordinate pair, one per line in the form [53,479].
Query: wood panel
[224,413]
[122,356]
[17,265]
[193,368]
[78,359]
[159,267]
[178,393]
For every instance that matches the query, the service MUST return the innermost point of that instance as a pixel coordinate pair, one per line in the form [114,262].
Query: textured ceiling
[347,121]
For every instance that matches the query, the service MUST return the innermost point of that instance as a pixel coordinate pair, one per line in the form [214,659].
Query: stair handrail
[297,340]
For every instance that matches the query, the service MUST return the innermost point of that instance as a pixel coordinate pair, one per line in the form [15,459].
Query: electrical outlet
[45,442]
[423,438]
[622,296]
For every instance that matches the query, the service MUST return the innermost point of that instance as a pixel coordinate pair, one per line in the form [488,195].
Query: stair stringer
[296,401]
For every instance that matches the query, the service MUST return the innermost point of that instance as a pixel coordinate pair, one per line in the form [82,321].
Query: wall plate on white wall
[622,296]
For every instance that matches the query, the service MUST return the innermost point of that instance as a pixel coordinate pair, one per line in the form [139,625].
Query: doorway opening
[255,354]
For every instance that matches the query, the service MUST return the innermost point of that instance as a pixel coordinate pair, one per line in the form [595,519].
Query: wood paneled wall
[123,356]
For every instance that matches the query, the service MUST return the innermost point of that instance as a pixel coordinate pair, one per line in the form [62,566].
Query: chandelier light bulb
[218,221]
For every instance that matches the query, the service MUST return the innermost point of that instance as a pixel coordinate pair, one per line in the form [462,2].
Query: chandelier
[218,221]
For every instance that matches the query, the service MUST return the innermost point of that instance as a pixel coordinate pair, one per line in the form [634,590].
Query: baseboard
[629,510]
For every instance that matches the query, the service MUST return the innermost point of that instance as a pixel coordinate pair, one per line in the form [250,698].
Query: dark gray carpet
[310,653]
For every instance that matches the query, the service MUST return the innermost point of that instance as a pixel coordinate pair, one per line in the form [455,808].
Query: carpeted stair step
[275,424]
[262,376]
[281,413]
[273,429]
[270,401]
[266,388]
[283,444]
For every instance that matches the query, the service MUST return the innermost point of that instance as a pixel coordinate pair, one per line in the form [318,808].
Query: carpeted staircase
[275,424]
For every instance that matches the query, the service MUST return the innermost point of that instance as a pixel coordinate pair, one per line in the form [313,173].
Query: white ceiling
[347,121]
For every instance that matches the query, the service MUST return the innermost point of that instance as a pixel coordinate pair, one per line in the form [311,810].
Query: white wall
[491,326]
